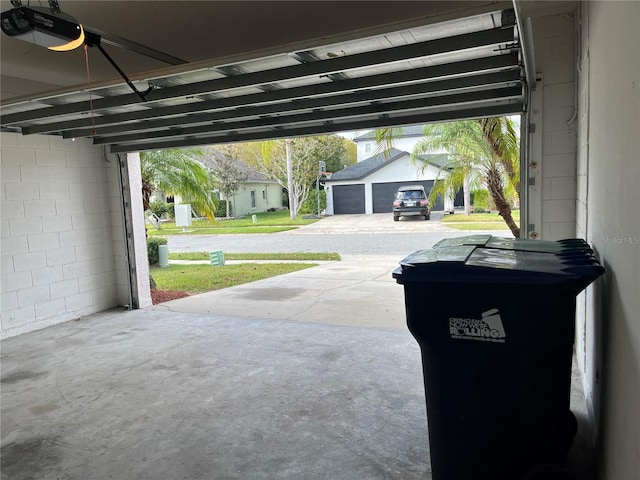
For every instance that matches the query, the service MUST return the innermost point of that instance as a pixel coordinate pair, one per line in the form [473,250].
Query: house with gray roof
[256,193]
[369,186]
[404,138]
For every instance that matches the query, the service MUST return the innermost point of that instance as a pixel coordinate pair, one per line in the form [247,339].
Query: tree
[229,173]
[483,150]
[345,153]
[176,172]
[457,171]
[269,158]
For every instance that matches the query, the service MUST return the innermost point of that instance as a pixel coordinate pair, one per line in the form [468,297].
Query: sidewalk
[237,262]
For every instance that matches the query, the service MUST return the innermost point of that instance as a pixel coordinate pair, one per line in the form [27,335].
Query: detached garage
[369,186]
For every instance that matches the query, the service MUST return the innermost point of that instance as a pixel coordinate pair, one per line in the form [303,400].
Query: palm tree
[457,172]
[501,134]
[176,172]
[480,149]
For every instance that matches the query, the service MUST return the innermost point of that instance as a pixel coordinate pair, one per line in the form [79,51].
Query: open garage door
[348,199]
[464,68]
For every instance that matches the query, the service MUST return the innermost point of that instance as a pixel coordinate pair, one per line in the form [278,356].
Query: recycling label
[488,328]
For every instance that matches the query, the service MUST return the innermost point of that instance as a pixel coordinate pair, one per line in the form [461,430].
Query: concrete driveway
[375,223]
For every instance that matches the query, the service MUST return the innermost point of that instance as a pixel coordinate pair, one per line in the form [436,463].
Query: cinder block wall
[554,42]
[61,225]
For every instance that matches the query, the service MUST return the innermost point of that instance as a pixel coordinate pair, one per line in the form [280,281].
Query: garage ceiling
[464,68]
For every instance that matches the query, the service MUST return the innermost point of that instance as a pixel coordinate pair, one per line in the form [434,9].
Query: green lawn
[306,256]
[478,221]
[205,278]
[268,222]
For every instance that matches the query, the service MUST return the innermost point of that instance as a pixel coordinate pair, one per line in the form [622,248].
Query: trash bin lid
[566,246]
[476,263]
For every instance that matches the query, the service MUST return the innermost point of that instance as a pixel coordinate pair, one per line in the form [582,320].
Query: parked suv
[411,200]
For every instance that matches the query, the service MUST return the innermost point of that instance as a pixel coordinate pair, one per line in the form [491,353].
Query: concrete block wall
[554,44]
[61,228]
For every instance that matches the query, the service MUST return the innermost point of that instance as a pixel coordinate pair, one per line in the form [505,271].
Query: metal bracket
[508,17]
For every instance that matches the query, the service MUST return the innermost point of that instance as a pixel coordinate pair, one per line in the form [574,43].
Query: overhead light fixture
[57,31]
[52,29]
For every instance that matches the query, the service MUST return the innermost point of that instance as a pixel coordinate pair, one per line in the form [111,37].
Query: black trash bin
[494,319]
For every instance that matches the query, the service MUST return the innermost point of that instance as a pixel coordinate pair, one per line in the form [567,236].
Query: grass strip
[154,232]
[478,218]
[266,222]
[205,278]
[303,256]
[479,226]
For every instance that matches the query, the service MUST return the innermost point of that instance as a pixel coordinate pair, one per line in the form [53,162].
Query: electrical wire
[86,57]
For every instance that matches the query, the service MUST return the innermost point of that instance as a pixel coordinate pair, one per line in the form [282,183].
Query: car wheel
[396,218]
[427,216]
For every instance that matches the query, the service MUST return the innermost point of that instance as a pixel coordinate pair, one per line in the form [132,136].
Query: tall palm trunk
[147,191]
[494,183]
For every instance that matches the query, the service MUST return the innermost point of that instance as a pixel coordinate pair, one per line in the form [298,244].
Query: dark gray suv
[411,200]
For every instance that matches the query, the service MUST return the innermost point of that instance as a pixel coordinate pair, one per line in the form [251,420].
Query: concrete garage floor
[270,380]
[157,395]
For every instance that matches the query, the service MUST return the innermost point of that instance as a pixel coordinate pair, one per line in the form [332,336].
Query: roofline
[400,153]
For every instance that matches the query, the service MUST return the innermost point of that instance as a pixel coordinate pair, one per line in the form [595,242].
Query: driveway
[357,291]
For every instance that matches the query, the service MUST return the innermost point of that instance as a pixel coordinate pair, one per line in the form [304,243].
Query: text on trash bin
[489,328]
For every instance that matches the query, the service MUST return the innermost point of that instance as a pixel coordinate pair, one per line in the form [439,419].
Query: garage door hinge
[532,128]
[532,182]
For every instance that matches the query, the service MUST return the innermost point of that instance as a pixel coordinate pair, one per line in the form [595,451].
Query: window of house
[368,147]
[253,199]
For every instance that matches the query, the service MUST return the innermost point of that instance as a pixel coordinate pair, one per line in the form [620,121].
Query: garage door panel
[348,199]
[383,194]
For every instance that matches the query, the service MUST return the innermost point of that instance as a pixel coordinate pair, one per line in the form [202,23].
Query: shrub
[159,208]
[478,209]
[310,205]
[152,249]
[221,209]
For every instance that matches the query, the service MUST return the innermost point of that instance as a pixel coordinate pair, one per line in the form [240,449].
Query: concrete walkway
[357,291]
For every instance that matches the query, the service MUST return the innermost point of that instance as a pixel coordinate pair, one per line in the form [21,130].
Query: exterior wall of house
[369,148]
[62,238]
[608,327]
[553,155]
[400,170]
[267,195]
